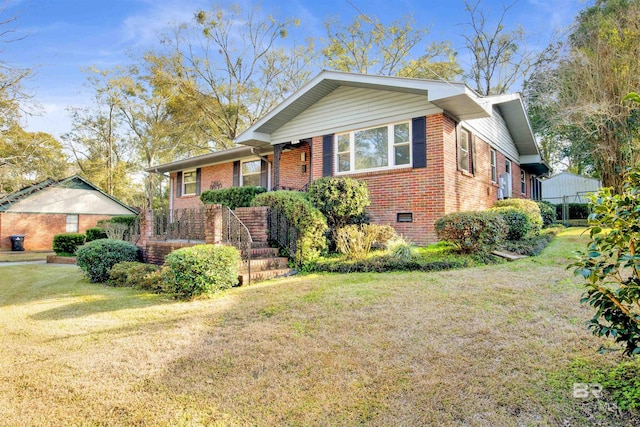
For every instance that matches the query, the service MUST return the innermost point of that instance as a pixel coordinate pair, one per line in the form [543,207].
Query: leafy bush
[356,241]
[574,210]
[127,220]
[517,221]
[611,265]
[309,222]
[472,231]
[548,213]
[135,275]
[623,384]
[95,234]
[529,206]
[66,244]
[97,257]
[530,245]
[201,270]
[234,197]
[339,199]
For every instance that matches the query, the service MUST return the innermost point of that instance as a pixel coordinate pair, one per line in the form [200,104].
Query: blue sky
[63,37]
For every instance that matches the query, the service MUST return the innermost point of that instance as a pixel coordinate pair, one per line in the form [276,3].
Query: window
[72,223]
[465,151]
[251,173]
[189,182]
[507,166]
[404,217]
[523,183]
[494,166]
[374,148]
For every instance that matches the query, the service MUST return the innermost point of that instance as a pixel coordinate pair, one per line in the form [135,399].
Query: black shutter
[236,173]
[327,155]
[264,173]
[179,185]
[198,177]
[419,142]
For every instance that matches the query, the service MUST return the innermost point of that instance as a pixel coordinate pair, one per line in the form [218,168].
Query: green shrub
[530,245]
[309,222]
[623,384]
[472,231]
[66,244]
[517,221]
[356,241]
[201,270]
[341,200]
[134,274]
[95,234]
[127,220]
[234,197]
[528,206]
[548,213]
[574,210]
[97,257]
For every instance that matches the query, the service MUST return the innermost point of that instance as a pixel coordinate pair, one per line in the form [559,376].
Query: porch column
[213,224]
[277,151]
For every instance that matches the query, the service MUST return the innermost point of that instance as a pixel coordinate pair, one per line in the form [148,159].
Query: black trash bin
[17,242]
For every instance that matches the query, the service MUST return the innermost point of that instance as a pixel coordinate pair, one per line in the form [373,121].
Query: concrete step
[260,276]
[262,264]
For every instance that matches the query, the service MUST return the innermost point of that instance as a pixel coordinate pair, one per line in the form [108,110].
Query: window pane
[402,155]
[343,143]
[401,133]
[371,148]
[251,167]
[344,162]
[251,180]
[190,188]
[72,223]
[189,177]
[189,182]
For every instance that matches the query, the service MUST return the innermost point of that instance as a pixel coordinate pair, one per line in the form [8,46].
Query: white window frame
[507,167]
[493,161]
[523,182]
[73,226]
[259,173]
[391,146]
[467,136]
[185,183]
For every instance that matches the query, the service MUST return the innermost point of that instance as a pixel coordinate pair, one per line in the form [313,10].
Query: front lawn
[490,345]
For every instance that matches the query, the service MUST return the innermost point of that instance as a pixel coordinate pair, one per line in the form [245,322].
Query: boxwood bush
[234,197]
[518,222]
[472,231]
[95,234]
[529,206]
[97,257]
[548,213]
[340,200]
[66,244]
[201,270]
[311,225]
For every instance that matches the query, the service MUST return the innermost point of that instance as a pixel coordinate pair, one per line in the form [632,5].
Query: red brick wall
[154,252]
[291,163]
[256,221]
[39,229]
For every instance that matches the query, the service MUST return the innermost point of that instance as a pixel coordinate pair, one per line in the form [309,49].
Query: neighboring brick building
[424,148]
[51,207]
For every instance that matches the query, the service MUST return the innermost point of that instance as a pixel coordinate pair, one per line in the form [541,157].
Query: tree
[369,47]
[499,57]
[577,94]
[231,68]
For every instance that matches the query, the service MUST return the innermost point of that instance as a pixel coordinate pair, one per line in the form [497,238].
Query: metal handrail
[248,240]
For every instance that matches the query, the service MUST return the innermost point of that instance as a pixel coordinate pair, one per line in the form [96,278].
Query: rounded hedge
[529,206]
[472,231]
[201,270]
[517,221]
[339,199]
[548,213]
[95,234]
[97,257]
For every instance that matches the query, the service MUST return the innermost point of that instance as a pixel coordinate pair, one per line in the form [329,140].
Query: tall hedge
[307,219]
[201,270]
[234,197]
[339,199]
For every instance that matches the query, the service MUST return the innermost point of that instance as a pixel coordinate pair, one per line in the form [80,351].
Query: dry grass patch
[466,347]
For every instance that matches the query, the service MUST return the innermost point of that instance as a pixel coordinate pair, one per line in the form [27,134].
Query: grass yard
[485,346]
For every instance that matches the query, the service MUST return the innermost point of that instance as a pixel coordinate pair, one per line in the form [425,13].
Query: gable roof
[72,182]
[456,98]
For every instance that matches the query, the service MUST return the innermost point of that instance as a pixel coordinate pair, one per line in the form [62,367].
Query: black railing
[179,224]
[235,233]
[282,232]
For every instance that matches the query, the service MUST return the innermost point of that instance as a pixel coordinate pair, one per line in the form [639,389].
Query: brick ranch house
[51,207]
[425,149]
